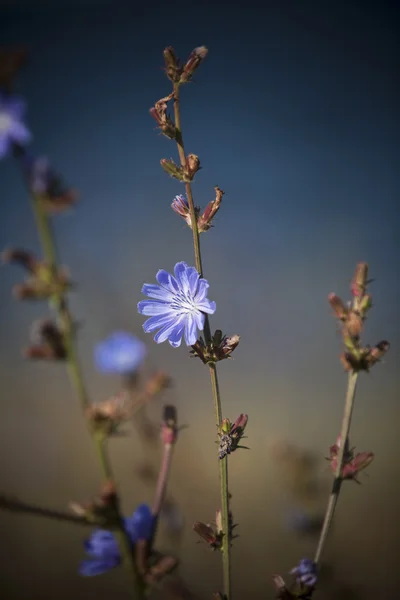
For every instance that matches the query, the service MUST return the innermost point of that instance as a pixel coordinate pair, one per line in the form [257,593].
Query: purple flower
[12,129]
[306,572]
[120,353]
[178,307]
[102,546]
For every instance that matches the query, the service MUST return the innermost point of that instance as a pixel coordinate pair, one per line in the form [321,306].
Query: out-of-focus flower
[47,341]
[178,305]
[102,546]
[46,185]
[106,417]
[11,60]
[102,509]
[12,128]
[230,435]
[43,281]
[220,347]
[120,353]
[306,572]
[303,523]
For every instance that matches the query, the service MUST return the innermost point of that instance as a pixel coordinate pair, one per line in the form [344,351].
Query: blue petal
[158,321]
[15,107]
[101,544]
[167,281]
[207,306]
[150,308]
[140,525]
[190,331]
[89,568]
[119,353]
[5,144]
[193,278]
[19,133]
[202,288]
[181,275]
[169,329]
[175,338]
[157,292]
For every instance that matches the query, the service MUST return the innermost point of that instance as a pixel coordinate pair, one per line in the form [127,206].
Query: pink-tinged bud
[192,166]
[338,306]
[169,429]
[204,222]
[230,435]
[352,463]
[360,280]
[159,113]
[353,324]
[173,169]
[47,342]
[207,533]
[172,66]
[193,62]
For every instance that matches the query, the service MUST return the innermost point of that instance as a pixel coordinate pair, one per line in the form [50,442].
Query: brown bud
[172,67]
[48,341]
[192,166]
[338,306]
[193,62]
[204,222]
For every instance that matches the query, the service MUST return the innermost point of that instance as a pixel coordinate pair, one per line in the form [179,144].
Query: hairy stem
[337,482]
[60,305]
[223,464]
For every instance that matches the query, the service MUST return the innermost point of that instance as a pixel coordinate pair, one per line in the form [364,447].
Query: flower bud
[360,280]
[207,533]
[172,68]
[173,169]
[192,166]
[338,306]
[193,62]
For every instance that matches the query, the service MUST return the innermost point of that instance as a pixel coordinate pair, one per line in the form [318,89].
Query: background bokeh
[295,115]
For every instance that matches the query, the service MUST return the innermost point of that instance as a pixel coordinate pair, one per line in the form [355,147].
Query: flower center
[5,122]
[184,304]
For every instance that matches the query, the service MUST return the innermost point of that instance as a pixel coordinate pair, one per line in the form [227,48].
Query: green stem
[223,464]
[60,304]
[337,482]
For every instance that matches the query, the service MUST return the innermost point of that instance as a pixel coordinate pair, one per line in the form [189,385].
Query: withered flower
[204,222]
[220,347]
[106,417]
[193,62]
[159,113]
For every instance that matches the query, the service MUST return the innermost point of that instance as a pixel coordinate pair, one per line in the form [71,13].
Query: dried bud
[159,113]
[192,166]
[338,306]
[173,169]
[11,62]
[193,62]
[169,429]
[207,533]
[230,435]
[181,206]
[219,348]
[157,383]
[163,566]
[204,222]
[106,417]
[172,65]
[47,341]
[352,463]
[360,280]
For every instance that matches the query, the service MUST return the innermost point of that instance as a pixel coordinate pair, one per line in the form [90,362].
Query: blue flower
[306,572]
[178,307]
[102,546]
[120,353]
[12,129]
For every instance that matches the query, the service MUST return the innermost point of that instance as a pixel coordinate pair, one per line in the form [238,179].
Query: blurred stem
[223,464]
[60,304]
[337,482]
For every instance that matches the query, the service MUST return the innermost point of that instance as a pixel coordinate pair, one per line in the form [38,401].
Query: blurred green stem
[337,482]
[61,307]
[223,464]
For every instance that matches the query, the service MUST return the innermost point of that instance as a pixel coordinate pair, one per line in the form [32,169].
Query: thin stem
[223,463]
[337,482]
[60,305]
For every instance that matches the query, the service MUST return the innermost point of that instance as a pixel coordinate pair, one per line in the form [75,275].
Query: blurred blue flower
[12,129]
[178,307]
[120,353]
[306,572]
[102,546]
